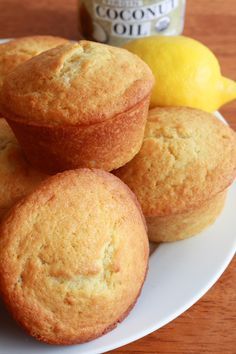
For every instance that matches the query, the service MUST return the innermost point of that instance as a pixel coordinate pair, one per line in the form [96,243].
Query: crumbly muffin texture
[17,177]
[77,83]
[69,255]
[187,157]
[16,52]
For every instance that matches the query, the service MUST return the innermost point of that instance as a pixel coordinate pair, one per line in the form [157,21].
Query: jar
[117,21]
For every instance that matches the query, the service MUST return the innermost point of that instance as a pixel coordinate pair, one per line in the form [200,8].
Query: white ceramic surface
[179,274]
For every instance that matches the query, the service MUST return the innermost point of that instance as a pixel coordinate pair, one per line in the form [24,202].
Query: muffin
[85,104]
[17,177]
[17,51]
[69,254]
[181,174]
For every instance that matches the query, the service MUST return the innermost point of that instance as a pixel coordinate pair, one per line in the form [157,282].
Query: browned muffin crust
[77,83]
[68,254]
[74,101]
[187,157]
[174,227]
[17,177]
[83,77]
[16,52]
[106,145]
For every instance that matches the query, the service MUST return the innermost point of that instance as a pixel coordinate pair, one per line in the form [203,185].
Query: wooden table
[209,327]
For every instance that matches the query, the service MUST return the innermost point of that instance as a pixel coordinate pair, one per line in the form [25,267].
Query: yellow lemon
[187,73]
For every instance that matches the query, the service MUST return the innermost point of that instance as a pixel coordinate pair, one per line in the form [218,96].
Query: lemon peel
[187,72]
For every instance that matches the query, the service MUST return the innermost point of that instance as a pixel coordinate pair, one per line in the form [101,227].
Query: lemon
[187,73]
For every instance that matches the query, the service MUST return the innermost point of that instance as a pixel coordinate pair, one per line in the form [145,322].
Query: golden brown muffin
[85,104]
[17,51]
[17,177]
[69,255]
[180,175]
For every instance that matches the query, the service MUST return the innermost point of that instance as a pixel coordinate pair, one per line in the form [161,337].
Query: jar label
[115,21]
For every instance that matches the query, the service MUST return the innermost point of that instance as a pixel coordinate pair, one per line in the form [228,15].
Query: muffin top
[17,178]
[16,52]
[80,83]
[68,254]
[187,157]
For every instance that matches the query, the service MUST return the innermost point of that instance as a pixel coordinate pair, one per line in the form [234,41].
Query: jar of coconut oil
[118,21]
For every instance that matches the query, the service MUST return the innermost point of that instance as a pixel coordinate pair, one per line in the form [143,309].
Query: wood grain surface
[209,327]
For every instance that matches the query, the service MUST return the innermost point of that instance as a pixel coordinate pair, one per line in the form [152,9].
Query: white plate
[179,274]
